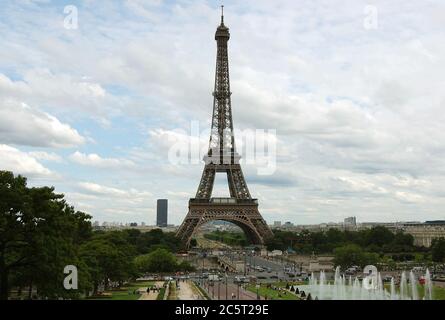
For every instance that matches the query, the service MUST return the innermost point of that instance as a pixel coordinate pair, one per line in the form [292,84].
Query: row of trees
[378,239]
[229,237]
[40,234]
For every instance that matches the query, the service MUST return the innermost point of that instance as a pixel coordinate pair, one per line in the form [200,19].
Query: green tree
[352,254]
[438,250]
[379,236]
[108,257]
[160,260]
[39,234]
[185,266]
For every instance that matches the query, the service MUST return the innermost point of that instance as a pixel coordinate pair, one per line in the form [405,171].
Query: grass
[273,294]
[438,292]
[125,293]
[202,291]
[172,292]
[161,294]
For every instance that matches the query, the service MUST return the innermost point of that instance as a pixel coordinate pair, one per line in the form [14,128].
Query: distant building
[350,223]
[277,223]
[161,212]
[288,224]
[425,233]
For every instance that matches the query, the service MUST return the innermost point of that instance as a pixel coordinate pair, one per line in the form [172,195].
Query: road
[218,291]
[276,268]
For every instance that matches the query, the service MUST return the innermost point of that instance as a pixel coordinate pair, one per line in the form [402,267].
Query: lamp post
[226,286]
[237,295]
[245,262]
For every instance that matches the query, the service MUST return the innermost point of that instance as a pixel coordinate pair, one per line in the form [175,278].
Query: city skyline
[94,108]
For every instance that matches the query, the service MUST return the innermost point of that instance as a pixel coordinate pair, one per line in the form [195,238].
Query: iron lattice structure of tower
[240,208]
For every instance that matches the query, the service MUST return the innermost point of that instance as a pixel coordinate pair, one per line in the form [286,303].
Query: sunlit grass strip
[272,294]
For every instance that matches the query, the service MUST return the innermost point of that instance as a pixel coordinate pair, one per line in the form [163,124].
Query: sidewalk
[187,292]
[153,294]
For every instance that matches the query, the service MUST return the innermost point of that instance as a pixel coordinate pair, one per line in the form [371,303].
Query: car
[240,279]
[274,277]
[214,277]
[262,277]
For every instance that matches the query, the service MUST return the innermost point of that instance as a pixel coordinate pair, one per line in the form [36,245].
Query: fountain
[413,283]
[403,286]
[428,286]
[393,290]
[370,288]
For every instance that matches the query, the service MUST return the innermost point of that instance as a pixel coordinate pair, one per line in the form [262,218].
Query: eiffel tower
[240,209]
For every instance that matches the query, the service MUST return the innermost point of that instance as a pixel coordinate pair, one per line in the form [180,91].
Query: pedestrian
[148,290]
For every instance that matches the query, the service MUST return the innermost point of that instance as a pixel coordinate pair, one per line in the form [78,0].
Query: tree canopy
[40,234]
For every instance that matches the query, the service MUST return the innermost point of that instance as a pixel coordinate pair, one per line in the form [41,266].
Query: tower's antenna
[222,14]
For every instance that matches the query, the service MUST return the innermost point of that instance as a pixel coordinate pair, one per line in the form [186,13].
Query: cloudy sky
[354,90]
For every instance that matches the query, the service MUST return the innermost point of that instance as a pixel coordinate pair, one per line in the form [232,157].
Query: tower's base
[243,213]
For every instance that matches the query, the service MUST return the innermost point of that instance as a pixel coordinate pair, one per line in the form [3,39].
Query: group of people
[153,288]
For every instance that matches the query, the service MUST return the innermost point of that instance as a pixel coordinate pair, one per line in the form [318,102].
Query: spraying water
[371,287]
[403,287]
[413,283]
[428,286]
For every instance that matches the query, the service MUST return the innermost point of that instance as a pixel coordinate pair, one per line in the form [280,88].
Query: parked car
[214,277]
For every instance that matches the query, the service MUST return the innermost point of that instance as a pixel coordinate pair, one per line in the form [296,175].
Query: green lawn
[127,292]
[172,294]
[273,294]
[438,292]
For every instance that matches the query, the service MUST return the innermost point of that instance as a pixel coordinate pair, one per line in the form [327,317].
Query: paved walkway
[186,291]
[153,294]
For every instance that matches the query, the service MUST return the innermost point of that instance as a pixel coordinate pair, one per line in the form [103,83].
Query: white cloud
[358,112]
[24,125]
[45,156]
[95,160]
[101,190]
[19,162]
